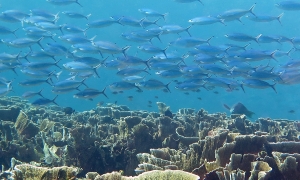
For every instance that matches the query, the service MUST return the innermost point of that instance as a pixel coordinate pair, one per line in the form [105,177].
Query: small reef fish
[239,108]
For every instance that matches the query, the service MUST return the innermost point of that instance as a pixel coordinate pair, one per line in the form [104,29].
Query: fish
[291,111]
[89,94]
[109,47]
[131,71]
[288,5]
[190,42]
[5,30]
[175,29]
[152,13]
[69,83]
[64,2]
[239,108]
[128,21]
[29,94]
[171,73]
[100,23]
[122,85]
[235,14]
[73,14]
[153,84]
[259,84]
[242,37]
[43,13]
[149,48]
[25,42]
[34,82]
[265,18]
[74,29]
[188,1]
[44,101]
[206,20]
[68,110]
[74,66]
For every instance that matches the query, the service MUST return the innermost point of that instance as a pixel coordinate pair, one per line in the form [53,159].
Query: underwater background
[264,102]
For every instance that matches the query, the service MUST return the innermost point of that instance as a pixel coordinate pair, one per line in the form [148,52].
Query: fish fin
[251,9]
[14,32]
[257,37]
[103,92]
[82,82]
[39,42]
[187,29]
[207,41]
[87,16]
[167,86]
[279,18]
[124,49]
[40,93]
[226,106]
[201,2]
[56,64]
[78,3]
[273,87]
[95,69]
[164,51]
[47,81]
[53,100]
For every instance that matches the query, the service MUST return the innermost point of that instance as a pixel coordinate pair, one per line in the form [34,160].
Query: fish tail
[53,100]
[103,92]
[138,88]
[125,49]
[242,86]
[201,2]
[142,22]
[164,51]
[273,87]
[187,29]
[244,47]
[55,64]
[289,52]
[48,82]
[279,18]
[155,22]
[14,70]
[82,82]
[57,74]
[39,42]
[87,16]
[164,16]
[95,70]
[40,93]
[207,41]
[77,2]
[223,22]
[167,86]
[257,38]
[14,32]
[251,9]
[147,63]
[273,55]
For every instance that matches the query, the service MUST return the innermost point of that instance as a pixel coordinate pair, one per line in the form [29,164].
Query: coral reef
[114,142]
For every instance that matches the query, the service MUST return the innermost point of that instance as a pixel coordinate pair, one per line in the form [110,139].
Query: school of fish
[48,48]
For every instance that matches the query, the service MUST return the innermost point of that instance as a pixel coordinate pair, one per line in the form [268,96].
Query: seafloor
[112,142]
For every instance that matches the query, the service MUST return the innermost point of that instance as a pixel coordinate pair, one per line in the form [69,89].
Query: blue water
[264,102]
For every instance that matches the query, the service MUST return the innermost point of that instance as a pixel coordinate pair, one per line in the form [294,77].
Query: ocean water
[264,102]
